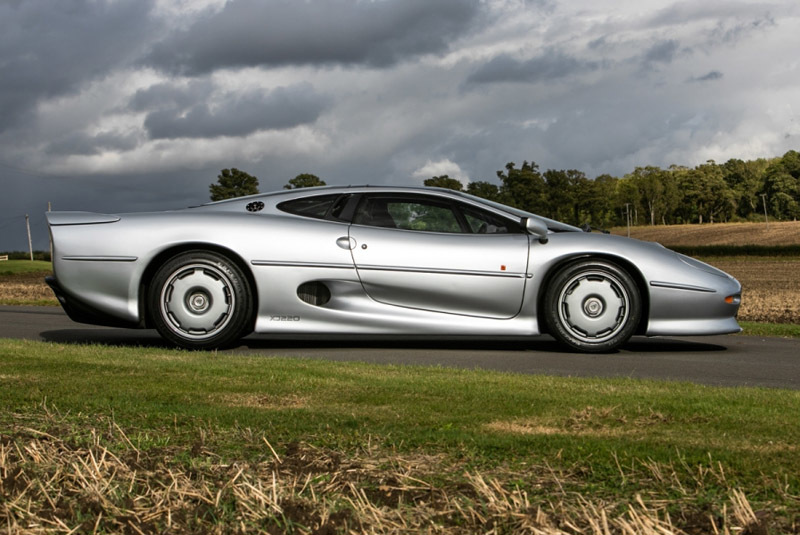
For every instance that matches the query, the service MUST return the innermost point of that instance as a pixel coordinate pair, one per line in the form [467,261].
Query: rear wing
[79,218]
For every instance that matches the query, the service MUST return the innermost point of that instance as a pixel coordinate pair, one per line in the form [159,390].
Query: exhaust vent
[314,293]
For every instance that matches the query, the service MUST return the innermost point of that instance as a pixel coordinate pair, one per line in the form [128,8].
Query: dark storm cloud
[549,66]
[86,145]
[170,95]
[50,49]
[239,115]
[733,20]
[249,33]
[662,52]
[734,32]
[709,77]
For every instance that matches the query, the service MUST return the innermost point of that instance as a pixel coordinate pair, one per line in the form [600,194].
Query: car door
[433,253]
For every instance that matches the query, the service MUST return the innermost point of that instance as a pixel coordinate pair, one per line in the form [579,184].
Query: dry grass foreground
[779,233]
[52,485]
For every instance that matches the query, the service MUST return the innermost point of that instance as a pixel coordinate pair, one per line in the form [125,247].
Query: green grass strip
[17,267]
[782,330]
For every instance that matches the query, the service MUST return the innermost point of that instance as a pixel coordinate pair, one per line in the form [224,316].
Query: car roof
[300,192]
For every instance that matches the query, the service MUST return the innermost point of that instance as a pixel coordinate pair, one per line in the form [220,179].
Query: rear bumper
[82,312]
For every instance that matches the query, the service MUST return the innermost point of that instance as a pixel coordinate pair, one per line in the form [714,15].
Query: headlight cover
[702,266]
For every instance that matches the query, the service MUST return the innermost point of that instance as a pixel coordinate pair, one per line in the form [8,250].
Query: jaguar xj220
[377,260]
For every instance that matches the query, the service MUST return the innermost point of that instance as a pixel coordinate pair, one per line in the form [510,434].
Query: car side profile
[377,260]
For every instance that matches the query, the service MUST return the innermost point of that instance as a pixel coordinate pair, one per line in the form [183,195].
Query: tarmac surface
[732,360]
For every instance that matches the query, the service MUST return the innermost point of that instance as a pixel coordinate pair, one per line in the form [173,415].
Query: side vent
[314,293]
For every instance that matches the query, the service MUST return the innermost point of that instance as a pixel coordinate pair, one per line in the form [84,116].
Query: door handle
[346,243]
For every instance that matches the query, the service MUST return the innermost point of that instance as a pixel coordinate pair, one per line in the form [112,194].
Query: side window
[481,222]
[316,207]
[407,213]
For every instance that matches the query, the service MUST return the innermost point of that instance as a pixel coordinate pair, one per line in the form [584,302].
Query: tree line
[710,192]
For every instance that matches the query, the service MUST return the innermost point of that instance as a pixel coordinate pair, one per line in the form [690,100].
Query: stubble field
[26,289]
[779,233]
[770,287]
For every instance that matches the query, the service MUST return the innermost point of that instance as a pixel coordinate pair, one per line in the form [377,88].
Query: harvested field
[770,287]
[780,233]
[26,288]
[104,483]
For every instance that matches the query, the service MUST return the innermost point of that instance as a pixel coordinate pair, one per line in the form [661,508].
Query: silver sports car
[377,260]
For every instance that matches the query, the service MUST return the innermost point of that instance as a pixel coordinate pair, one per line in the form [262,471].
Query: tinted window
[316,207]
[482,222]
[425,215]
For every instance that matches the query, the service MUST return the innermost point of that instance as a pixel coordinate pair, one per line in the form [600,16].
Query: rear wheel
[200,300]
[593,306]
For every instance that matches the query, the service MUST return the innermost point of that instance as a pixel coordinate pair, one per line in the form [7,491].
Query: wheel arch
[166,254]
[623,263]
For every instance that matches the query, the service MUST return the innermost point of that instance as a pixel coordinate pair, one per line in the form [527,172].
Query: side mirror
[536,227]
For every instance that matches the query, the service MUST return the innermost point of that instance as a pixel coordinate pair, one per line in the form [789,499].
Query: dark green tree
[746,181]
[782,186]
[584,198]
[484,190]
[604,202]
[304,180]
[628,199]
[444,181]
[524,187]
[233,183]
[559,195]
[705,189]
[658,192]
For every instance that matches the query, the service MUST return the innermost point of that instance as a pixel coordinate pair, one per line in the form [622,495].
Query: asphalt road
[715,360]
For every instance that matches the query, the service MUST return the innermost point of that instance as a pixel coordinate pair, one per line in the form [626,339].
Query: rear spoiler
[79,218]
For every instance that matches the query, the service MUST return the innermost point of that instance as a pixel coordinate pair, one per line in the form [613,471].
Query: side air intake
[314,293]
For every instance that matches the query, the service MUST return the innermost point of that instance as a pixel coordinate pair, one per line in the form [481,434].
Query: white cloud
[439,168]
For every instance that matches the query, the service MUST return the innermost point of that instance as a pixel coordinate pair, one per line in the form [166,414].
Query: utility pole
[30,244]
[766,217]
[628,217]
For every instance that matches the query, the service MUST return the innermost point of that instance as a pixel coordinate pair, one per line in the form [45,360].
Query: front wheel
[200,300]
[593,306]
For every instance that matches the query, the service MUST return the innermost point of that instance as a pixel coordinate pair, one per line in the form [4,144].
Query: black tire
[593,306]
[200,300]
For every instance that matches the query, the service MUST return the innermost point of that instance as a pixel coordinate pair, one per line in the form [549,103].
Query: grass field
[18,267]
[151,440]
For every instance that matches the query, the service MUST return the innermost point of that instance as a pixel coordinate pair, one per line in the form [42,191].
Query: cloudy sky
[132,105]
